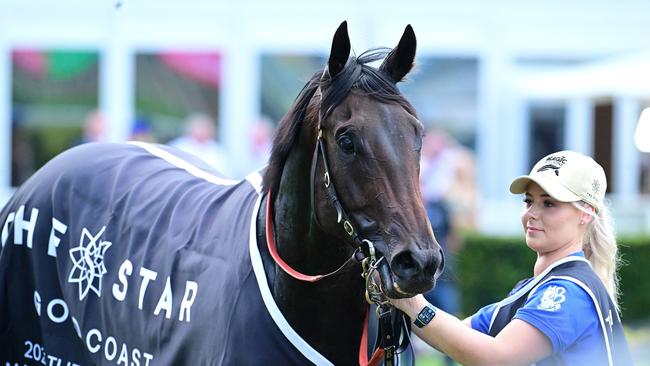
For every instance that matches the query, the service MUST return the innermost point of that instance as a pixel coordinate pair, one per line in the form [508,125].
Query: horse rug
[137,254]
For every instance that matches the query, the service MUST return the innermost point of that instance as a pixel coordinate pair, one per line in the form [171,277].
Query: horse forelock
[357,75]
[360,76]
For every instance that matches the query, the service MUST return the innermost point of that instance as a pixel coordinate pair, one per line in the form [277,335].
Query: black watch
[424,317]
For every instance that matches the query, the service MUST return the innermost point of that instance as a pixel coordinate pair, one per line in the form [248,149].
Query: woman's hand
[410,306]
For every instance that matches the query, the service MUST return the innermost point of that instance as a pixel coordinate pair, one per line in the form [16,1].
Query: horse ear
[399,61]
[340,50]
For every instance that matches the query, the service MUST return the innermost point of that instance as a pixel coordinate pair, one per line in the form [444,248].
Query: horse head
[343,178]
[371,139]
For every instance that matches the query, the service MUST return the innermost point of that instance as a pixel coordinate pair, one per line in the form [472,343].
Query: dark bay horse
[138,254]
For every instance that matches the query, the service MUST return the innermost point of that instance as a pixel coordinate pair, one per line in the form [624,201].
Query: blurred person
[22,149]
[199,141]
[438,174]
[568,313]
[463,195]
[141,131]
[645,173]
[93,128]
[261,134]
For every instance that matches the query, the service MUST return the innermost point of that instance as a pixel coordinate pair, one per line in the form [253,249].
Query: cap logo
[595,186]
[550,166]
[553,162]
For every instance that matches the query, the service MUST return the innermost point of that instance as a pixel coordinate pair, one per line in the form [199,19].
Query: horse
[139,254]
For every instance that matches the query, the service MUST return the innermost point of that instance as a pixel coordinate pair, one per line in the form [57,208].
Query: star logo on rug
[88,263]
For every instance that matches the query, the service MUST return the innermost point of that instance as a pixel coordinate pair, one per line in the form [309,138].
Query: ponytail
[599,245]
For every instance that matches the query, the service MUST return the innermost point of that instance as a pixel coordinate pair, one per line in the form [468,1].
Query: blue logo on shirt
[552,298]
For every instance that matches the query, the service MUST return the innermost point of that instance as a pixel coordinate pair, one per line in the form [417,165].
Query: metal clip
[374,293]
[371,249]
[348,227]
[326,177]
[382,310]
[364,266]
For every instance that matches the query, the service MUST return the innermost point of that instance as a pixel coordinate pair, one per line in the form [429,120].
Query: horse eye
[346,144]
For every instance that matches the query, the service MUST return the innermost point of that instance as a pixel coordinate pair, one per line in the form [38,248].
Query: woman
[568,313]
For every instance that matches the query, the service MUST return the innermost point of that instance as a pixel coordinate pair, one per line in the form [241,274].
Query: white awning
[625,76]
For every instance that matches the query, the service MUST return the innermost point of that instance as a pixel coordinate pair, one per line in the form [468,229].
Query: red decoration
[202,67]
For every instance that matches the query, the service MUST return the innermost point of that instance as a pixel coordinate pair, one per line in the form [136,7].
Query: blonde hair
[601,249]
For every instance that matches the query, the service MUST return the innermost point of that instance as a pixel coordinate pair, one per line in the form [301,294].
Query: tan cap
[567,176]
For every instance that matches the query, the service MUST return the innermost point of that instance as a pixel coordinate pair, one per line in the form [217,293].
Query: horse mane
[358,76]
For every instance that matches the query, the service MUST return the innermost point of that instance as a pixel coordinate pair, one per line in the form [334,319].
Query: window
[444,91]
[602,140]
[283,76]
[546,131]
[52,93]
[169,87]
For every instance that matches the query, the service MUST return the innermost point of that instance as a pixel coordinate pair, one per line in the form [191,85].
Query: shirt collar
[579,253]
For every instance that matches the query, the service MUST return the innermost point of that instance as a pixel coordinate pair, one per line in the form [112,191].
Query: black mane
[357,75]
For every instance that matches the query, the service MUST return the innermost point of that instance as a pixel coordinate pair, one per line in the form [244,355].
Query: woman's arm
[518,343]
[468,321]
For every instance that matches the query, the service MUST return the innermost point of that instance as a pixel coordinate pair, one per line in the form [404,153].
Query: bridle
[364,251]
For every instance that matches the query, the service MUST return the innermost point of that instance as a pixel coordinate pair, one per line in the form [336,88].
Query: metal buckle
[373,294]
[326,177]
[371,249]
[348,227]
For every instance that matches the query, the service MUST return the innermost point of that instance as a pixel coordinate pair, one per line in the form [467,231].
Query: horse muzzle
[410,273]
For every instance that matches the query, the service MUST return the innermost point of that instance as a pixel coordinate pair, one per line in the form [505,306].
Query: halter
[364,250]
[342,217]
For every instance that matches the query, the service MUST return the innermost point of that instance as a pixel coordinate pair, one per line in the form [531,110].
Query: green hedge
[488,267]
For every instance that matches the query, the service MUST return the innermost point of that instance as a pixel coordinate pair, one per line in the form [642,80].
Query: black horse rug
[137,254]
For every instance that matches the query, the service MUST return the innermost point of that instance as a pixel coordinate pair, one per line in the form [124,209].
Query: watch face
[426,315]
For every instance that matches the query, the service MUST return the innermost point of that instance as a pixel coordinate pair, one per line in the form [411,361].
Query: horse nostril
[405,266]
[440,264]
